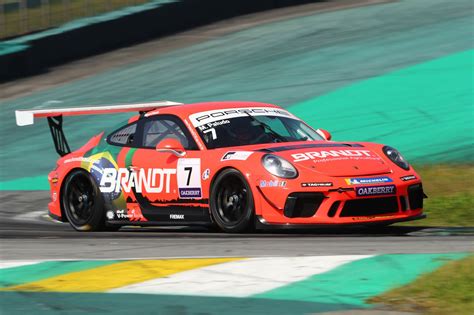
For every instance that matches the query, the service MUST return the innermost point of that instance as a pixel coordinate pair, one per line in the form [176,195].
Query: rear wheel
[232,204]
[82,202]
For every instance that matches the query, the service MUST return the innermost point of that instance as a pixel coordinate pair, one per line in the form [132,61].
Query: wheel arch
[255,191]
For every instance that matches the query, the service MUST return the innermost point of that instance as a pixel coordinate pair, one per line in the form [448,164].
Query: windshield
[236,127]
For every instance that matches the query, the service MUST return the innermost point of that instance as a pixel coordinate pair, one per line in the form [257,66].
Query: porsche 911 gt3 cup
[234,165]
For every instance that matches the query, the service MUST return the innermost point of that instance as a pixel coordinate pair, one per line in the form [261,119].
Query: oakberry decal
[376,190]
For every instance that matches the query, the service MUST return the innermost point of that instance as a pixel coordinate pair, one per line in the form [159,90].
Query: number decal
[213,133]
[189,178]
[190,171]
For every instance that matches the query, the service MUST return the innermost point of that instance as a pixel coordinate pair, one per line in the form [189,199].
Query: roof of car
[188,109]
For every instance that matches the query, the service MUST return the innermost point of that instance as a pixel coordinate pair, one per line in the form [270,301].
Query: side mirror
[172,146]
[324,133]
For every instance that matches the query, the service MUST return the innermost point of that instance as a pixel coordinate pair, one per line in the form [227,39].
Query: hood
[333,159]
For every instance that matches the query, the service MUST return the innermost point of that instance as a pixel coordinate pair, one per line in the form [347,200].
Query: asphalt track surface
[30,234]
[27,233]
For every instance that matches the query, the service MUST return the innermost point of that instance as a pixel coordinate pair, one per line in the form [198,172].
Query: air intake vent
[333,209]
[403,203]
[415,196]
[302,205]
[368,207]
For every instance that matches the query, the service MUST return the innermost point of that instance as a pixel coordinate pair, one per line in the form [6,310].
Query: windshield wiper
[268,128]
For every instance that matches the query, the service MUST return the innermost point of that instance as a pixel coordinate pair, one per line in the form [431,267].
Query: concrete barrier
[89,36]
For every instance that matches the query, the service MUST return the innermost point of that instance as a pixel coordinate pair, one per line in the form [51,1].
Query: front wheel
[232,205]
[82,202]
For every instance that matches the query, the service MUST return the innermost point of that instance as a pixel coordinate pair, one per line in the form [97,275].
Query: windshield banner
[203,118]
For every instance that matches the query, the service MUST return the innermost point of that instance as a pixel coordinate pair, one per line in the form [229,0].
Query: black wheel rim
[80,197]
[232,200]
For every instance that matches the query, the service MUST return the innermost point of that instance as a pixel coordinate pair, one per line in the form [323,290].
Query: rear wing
[55,117]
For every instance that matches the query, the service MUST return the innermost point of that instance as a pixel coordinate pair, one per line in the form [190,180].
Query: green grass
[58,12]
[450,190]
[448,290]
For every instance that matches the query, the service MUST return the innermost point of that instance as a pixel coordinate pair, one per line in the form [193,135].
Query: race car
[231,165]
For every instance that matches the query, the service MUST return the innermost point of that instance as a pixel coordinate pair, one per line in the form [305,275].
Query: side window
[156,130]
[124,136]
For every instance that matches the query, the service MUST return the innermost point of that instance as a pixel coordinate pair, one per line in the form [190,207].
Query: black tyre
[231,201]
[82,202]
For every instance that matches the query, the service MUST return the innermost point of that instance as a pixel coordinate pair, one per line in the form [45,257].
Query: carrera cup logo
[154,180]
[375,190]
[409,177]
[236,155]
[298,157]
[364,181]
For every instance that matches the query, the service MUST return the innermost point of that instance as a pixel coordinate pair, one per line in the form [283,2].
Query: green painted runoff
[308,61]
[355,282]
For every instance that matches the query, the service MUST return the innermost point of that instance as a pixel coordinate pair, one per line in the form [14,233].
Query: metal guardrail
[19,17]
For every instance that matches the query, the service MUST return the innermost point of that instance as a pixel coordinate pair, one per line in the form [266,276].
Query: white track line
[12,264]
[241,278]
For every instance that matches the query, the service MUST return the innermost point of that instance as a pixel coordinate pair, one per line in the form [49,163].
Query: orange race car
[235,165]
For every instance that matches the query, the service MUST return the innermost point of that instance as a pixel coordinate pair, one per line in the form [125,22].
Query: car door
[168,184]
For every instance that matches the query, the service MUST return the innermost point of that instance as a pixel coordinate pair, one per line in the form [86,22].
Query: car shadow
[200,232]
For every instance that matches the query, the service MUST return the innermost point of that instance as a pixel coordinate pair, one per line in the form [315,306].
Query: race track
[30,234]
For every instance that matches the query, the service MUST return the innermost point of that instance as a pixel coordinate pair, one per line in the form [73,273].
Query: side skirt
[167,215]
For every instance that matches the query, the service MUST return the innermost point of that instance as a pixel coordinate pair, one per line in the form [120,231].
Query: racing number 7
[190,171]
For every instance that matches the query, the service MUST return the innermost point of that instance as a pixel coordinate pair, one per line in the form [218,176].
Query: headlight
[396,157]
[279,166]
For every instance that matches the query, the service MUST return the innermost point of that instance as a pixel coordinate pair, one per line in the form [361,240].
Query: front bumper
[340,205]
[261,224]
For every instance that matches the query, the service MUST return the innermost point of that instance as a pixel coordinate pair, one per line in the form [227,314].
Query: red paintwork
[269,201]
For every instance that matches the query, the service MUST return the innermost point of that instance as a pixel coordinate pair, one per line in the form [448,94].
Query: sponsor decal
[100,162]
[313,145]
[127,214]
[408,177]
[110,215]
[190,192]
[54,197]
[153,180]
[194,134]
[334,154]
[204,118]
[214,124]
[177,216]
[236,155]
[272,183]
[79,159]
[376,190]
[189,178]
[370,180]
[206,174]
[123,214]
[317,184]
